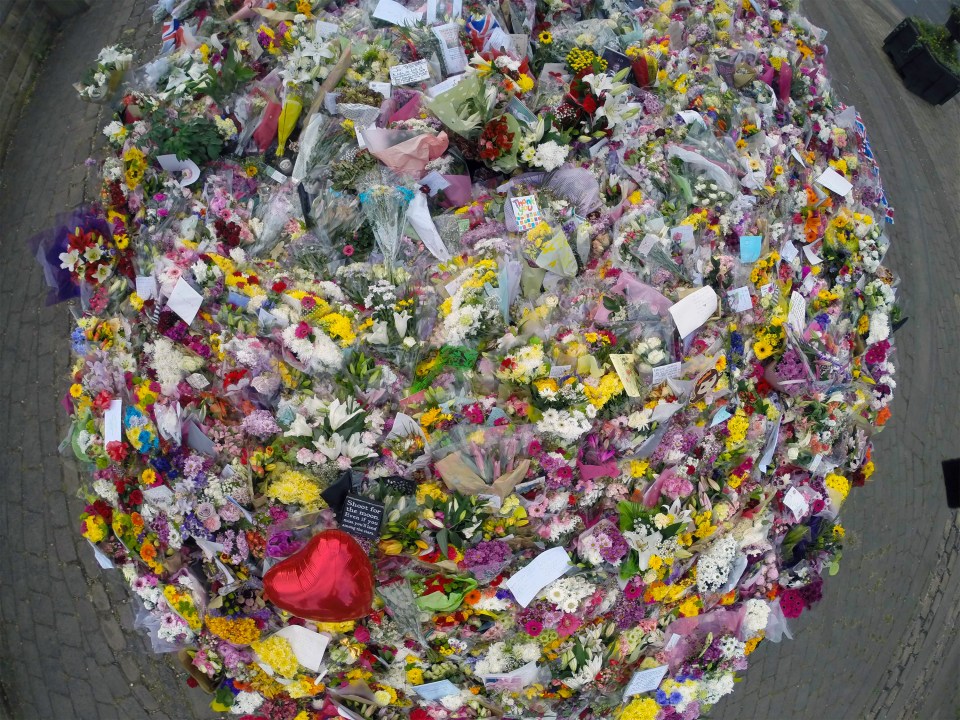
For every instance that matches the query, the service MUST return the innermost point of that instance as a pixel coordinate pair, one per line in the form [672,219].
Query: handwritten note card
[694,310]
[834,182]
[739,299]
[146,287]
[185,301]
[627,372]
[797,316]
[307,645]
[797,503]
[454,58]
[543,570]
[644,681]
[396,14]
[409,73]
[665,372]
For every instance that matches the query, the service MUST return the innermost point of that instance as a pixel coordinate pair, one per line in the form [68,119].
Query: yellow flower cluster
[769,339]
[135,165]
[511,515]
[705,528]
[640,709]
[339,328]
[839,484]
[292,487]
[276,652]
[432,417]
[432,490]
[690,607]
[184,606]
[240,631]
[579,58]
[608,388]
[94,528]
[737,427]
[762,267]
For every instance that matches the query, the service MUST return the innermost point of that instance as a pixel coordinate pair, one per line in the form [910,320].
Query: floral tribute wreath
[487,361]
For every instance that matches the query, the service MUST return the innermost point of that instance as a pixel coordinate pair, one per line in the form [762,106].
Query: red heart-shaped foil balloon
[329,580]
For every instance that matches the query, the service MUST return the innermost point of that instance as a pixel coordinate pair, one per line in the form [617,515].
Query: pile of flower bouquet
[570,313]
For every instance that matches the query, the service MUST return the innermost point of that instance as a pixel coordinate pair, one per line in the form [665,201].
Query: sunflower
[762,349]
[545,37]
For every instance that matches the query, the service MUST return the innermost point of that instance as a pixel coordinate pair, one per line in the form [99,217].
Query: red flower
[279,286]
[589,104]
[116,451]
[136,498]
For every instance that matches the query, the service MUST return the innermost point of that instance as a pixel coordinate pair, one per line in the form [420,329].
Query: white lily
[299,428]
[68,260]
[339,413]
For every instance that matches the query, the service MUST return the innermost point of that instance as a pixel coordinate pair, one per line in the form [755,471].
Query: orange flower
[472,597]
[137,520]
[883,416]
[148,552]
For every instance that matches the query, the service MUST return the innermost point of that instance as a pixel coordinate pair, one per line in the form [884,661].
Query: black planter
[902,43]
[923,74]
[953,22]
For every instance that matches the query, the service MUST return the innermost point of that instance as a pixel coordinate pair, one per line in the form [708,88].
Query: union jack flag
[172,35]
[480,28]
[868,152]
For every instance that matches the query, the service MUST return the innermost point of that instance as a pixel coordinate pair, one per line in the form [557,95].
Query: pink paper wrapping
[634,290]
[409,157]
[407,111]
[718,622]
[592,472]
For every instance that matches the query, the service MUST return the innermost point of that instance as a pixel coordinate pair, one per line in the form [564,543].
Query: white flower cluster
[884,377]
[706,193]
[567,593]
[650,353]
[549,155]
[503,657]
[712,689]
[755,617]
[318,355]
[567,425]
[713,568]
[246,703]
[171,365]
[562,526]
[523,365]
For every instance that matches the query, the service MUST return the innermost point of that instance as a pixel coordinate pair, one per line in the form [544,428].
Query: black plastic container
[922,73]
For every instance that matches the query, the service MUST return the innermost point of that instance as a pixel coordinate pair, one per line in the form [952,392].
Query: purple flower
[260,424]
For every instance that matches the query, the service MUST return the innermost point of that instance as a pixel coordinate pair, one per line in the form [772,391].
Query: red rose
[590,104]
[136,497]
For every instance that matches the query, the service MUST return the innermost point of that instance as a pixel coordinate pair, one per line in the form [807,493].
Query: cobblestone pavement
[882,644]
